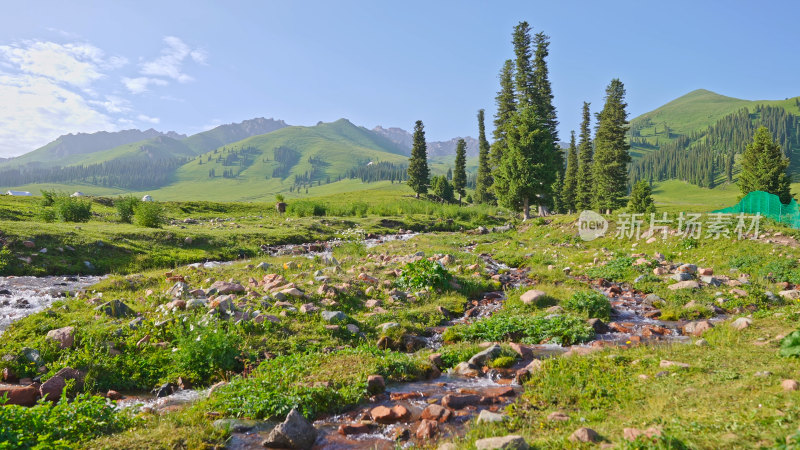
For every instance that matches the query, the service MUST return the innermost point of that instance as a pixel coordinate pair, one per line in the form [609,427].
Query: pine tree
[542,91]
[506,106]
[559,205]
[449,174]
[641,201]
[524,77]
[442,189]
[483,183]
[764,167]
[460,174]
[418,173]
[611,157]
[527,169]
[569,190]
[584,186]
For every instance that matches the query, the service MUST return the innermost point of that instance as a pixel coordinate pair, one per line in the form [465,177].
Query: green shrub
[592,304]
[5,258]
[206,352]
[72,209]
[149,214]
[60,425]
[422,273]
[503,362]
[561,329]
[615,270]
[49,197]
[126,207]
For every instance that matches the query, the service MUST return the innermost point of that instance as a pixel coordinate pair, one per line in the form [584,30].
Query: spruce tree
[527,169]
[569,188]
[611,157]
[418,174]
[764,167]
[641,201]
[584,187]
[505,109]
[523,76]
[542,91]
[460,174]
[558,203]
[483,183]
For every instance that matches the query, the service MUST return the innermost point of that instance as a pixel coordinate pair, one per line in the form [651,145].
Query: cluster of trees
[524,166]
[126,174]
[286,159]
[444,188]
[378,171]
[703,156]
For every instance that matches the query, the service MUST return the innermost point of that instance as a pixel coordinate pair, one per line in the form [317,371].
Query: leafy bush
[62,207]
[423,273]
[790,345]
[5,258]
[269,393]
[148,214]
[590,303]
[561,329]
[306,208]
[49,197]
[615,270]
[206,352]
[126,207]
[60,425]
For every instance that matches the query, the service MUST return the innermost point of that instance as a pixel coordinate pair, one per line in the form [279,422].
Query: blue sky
[191,65]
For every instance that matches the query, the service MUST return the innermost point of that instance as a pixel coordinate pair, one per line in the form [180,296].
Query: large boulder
[53,388]
[224,287]
[65,337]
[20,395]
[115,308]
[295,432]
[482,358]
[532,296]
[684,285]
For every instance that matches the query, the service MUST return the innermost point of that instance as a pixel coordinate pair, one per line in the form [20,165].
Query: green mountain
[691,113]
[232,132]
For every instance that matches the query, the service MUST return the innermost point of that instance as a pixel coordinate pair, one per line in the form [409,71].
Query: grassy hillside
[225,134]
[694,111]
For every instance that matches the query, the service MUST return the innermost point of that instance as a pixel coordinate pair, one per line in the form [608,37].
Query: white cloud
[148,119]
[76,64]
[37,109]
[170,63]
[113,104]
[140,84]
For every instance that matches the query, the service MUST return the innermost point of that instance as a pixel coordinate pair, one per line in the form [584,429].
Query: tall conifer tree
[569,190]
[523,75]
[483,182]
[460,174]
[506,106]
[611,157]
[584,187]
[764,167]
[418,173]
[542,91]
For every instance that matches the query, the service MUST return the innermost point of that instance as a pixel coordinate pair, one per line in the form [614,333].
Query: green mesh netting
[768,205]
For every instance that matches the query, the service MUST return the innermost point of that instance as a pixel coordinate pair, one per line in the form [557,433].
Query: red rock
[437,413]
[353,428]
[460,401]
[113,395]
[53,388]
[404,395]
[20,395]
[631,434]
[384,415]
[524,351]
[64,336]
[427,429]
[9,376]
[400,412]
[619,328]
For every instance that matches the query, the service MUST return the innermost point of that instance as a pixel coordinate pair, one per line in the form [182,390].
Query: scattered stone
[113,395]
[225,288]
[687,268]
[487,416]
[631,434]
[701,343]
[598,326]
[294,432]
[790,294]
[427,429]
[697,328]
[682,276]
[454,401]
[684,285]
[436,412]
[375,384]
[558,416]
[53,388]
[482,358]
[64,336]
[741,323]
[584,434]
[263,266]
[20,395]
[665,363]
[532,296]
[763,374]
[510,442]
[790,385]
[333,316]
[353,428]
[352,328]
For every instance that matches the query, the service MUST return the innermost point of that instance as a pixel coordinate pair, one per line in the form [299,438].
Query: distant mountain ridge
[435,148]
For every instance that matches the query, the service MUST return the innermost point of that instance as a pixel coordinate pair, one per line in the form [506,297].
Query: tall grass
[399,207]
